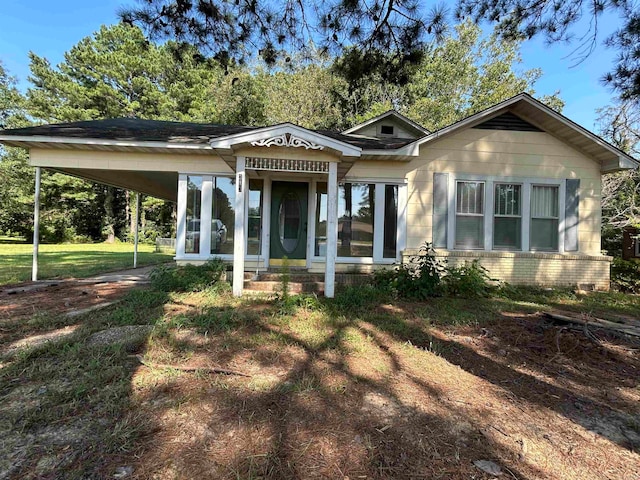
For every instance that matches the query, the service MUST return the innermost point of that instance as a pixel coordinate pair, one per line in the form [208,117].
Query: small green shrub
[625,275]
[470,280]
[427,276]
[188,278]
[421,278]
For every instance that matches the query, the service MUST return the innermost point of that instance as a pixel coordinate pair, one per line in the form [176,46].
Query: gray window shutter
[571,215]
[440,209]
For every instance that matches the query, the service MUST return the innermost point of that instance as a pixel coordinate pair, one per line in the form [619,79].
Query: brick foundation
[545,269]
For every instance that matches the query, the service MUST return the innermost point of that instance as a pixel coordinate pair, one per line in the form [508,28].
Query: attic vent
[386,129]
[508,121]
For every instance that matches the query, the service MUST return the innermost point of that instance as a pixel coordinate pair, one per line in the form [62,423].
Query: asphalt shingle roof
[134,129]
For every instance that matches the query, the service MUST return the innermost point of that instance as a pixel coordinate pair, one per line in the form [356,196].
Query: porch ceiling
[157,184]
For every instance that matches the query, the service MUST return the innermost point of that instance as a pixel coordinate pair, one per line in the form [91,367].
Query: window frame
[559,218]
[205,218]
[495,215]
[526,182]
[378,235]
[482,215]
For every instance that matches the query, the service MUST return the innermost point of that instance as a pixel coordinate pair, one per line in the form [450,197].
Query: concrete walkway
[136,275]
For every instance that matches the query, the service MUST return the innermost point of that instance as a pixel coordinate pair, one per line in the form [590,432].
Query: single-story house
[516,186]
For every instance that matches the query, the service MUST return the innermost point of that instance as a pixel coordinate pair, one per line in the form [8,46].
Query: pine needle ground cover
[360,386]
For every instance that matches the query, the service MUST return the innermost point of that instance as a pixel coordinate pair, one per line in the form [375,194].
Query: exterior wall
[496,153]
[500,153]
[505,153]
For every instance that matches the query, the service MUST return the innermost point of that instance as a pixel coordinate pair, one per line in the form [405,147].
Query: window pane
[544,202]
[194,212]
[470,197]
[254,222]
[544,234]
[390,221]
[223,217]
[355,220]
[507,232]
[507,199]
[321,220]
[469,232]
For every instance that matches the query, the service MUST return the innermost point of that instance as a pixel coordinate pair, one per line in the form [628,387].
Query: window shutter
[571,215]
[440,209]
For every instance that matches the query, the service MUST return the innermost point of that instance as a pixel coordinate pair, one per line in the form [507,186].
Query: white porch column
[135,235]
[181,227]
[266,222]
[238,236]
[36,227]
[332,231]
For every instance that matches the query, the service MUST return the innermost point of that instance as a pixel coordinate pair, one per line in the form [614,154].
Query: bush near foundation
[426,276]
[625,275]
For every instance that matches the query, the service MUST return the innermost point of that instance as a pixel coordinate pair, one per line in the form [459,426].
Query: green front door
[289,220]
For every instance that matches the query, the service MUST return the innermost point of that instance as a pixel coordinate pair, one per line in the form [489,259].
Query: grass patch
[72,260]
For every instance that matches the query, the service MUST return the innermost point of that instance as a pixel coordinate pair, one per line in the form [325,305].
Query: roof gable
[412,129]
[536,113]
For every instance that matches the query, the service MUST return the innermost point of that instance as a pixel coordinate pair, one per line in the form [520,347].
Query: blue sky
[51,28]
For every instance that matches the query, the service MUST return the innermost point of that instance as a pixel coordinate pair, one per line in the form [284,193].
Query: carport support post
[135,234]
[238,235]
[36,227]
[332,231]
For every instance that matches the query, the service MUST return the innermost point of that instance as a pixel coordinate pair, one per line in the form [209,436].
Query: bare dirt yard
[360,386]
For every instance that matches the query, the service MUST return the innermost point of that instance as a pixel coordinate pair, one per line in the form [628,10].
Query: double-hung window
[469,215]
[507,216]
[545,216]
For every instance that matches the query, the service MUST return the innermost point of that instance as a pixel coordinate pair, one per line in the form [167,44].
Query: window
[507,216]
[390,221]
[223,217]
[320,249]
[254,222]
[194,213]
[544,217]
[356,219]
[469,215]
[386,129]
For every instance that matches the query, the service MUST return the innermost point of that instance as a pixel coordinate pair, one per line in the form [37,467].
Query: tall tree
[231,30]
[620,124]
[459,76]
[556,21]
[16,177]
[390,34]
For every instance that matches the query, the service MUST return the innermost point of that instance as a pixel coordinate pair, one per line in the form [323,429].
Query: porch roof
[132,132]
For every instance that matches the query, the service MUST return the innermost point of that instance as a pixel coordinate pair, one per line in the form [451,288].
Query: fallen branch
[595,322]
[161,366]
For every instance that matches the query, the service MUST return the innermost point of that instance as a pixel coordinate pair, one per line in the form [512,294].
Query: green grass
[72,260]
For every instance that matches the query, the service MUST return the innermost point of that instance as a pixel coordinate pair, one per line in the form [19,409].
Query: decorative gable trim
[285,135]
[287,140]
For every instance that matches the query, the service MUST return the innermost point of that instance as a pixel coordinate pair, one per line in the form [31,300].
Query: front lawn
[72,260]
[360,386]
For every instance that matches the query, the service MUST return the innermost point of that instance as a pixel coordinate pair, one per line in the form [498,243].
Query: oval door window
[289,222]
